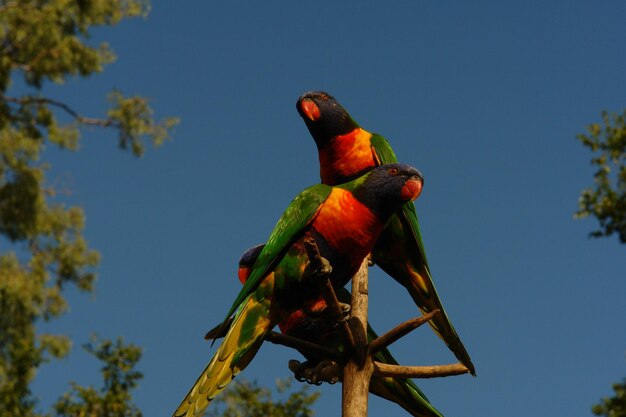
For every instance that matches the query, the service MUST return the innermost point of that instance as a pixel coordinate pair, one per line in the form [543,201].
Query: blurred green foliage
[606,200]
[43,249]
[119,376]
[247,399]
[48,41]
[614,406]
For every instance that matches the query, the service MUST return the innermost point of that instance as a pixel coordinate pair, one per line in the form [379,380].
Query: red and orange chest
[347,225]
[346,156]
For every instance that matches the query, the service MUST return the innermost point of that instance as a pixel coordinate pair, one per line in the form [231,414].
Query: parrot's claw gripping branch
[316,374]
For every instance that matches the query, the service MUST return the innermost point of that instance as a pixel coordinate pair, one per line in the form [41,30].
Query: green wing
[383,150]
[387,156]
[291,224]
[413,271]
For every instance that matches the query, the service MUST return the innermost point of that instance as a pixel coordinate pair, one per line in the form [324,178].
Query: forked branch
[92,121]
[357,359]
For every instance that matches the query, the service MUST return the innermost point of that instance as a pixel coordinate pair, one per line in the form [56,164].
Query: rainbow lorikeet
[323,331]
[344,222]
[347,151]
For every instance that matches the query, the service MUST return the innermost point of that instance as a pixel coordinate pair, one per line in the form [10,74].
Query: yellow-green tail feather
[243,340]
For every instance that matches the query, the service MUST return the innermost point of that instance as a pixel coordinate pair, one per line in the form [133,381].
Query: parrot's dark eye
[393,171]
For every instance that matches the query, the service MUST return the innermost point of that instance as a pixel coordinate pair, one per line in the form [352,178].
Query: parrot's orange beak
[310,109]
[412,189]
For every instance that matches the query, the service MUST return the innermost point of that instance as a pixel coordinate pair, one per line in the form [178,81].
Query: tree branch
[399,331]
[333,304]
[300,344]
[67,109]
[358,371]
[434,371]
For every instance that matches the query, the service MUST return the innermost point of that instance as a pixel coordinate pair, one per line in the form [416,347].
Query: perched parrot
[347,151]
[344,221]
[323,331]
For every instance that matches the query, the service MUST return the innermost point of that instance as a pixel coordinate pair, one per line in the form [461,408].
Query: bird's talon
[324,269]
[345,311]
[323,371]
[328,371]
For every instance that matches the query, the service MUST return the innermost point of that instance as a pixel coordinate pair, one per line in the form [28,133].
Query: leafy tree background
[119,377]
[248,399]
[46,42]
[613,406]
[606,200]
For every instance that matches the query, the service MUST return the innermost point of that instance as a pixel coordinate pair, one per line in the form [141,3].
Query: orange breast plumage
[346,156]
[347,224]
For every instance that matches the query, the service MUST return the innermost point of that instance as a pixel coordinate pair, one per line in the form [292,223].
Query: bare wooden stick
[434,371]
[301,344]
[332,304]
[399,331]
[358,371]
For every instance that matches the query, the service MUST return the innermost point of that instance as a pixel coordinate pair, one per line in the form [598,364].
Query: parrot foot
[345,311]
[321,268]
[323,371]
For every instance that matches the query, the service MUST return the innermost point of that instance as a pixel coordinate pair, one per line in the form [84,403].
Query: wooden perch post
[360,366]
[357,360]
[358,370]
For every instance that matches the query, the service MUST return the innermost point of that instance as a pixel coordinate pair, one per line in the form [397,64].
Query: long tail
[400,252]
[400,391]
[242,341]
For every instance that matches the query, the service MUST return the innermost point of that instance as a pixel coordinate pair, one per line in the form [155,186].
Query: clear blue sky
[484,97]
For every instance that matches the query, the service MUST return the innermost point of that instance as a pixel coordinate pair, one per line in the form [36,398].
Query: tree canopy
[43,42]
